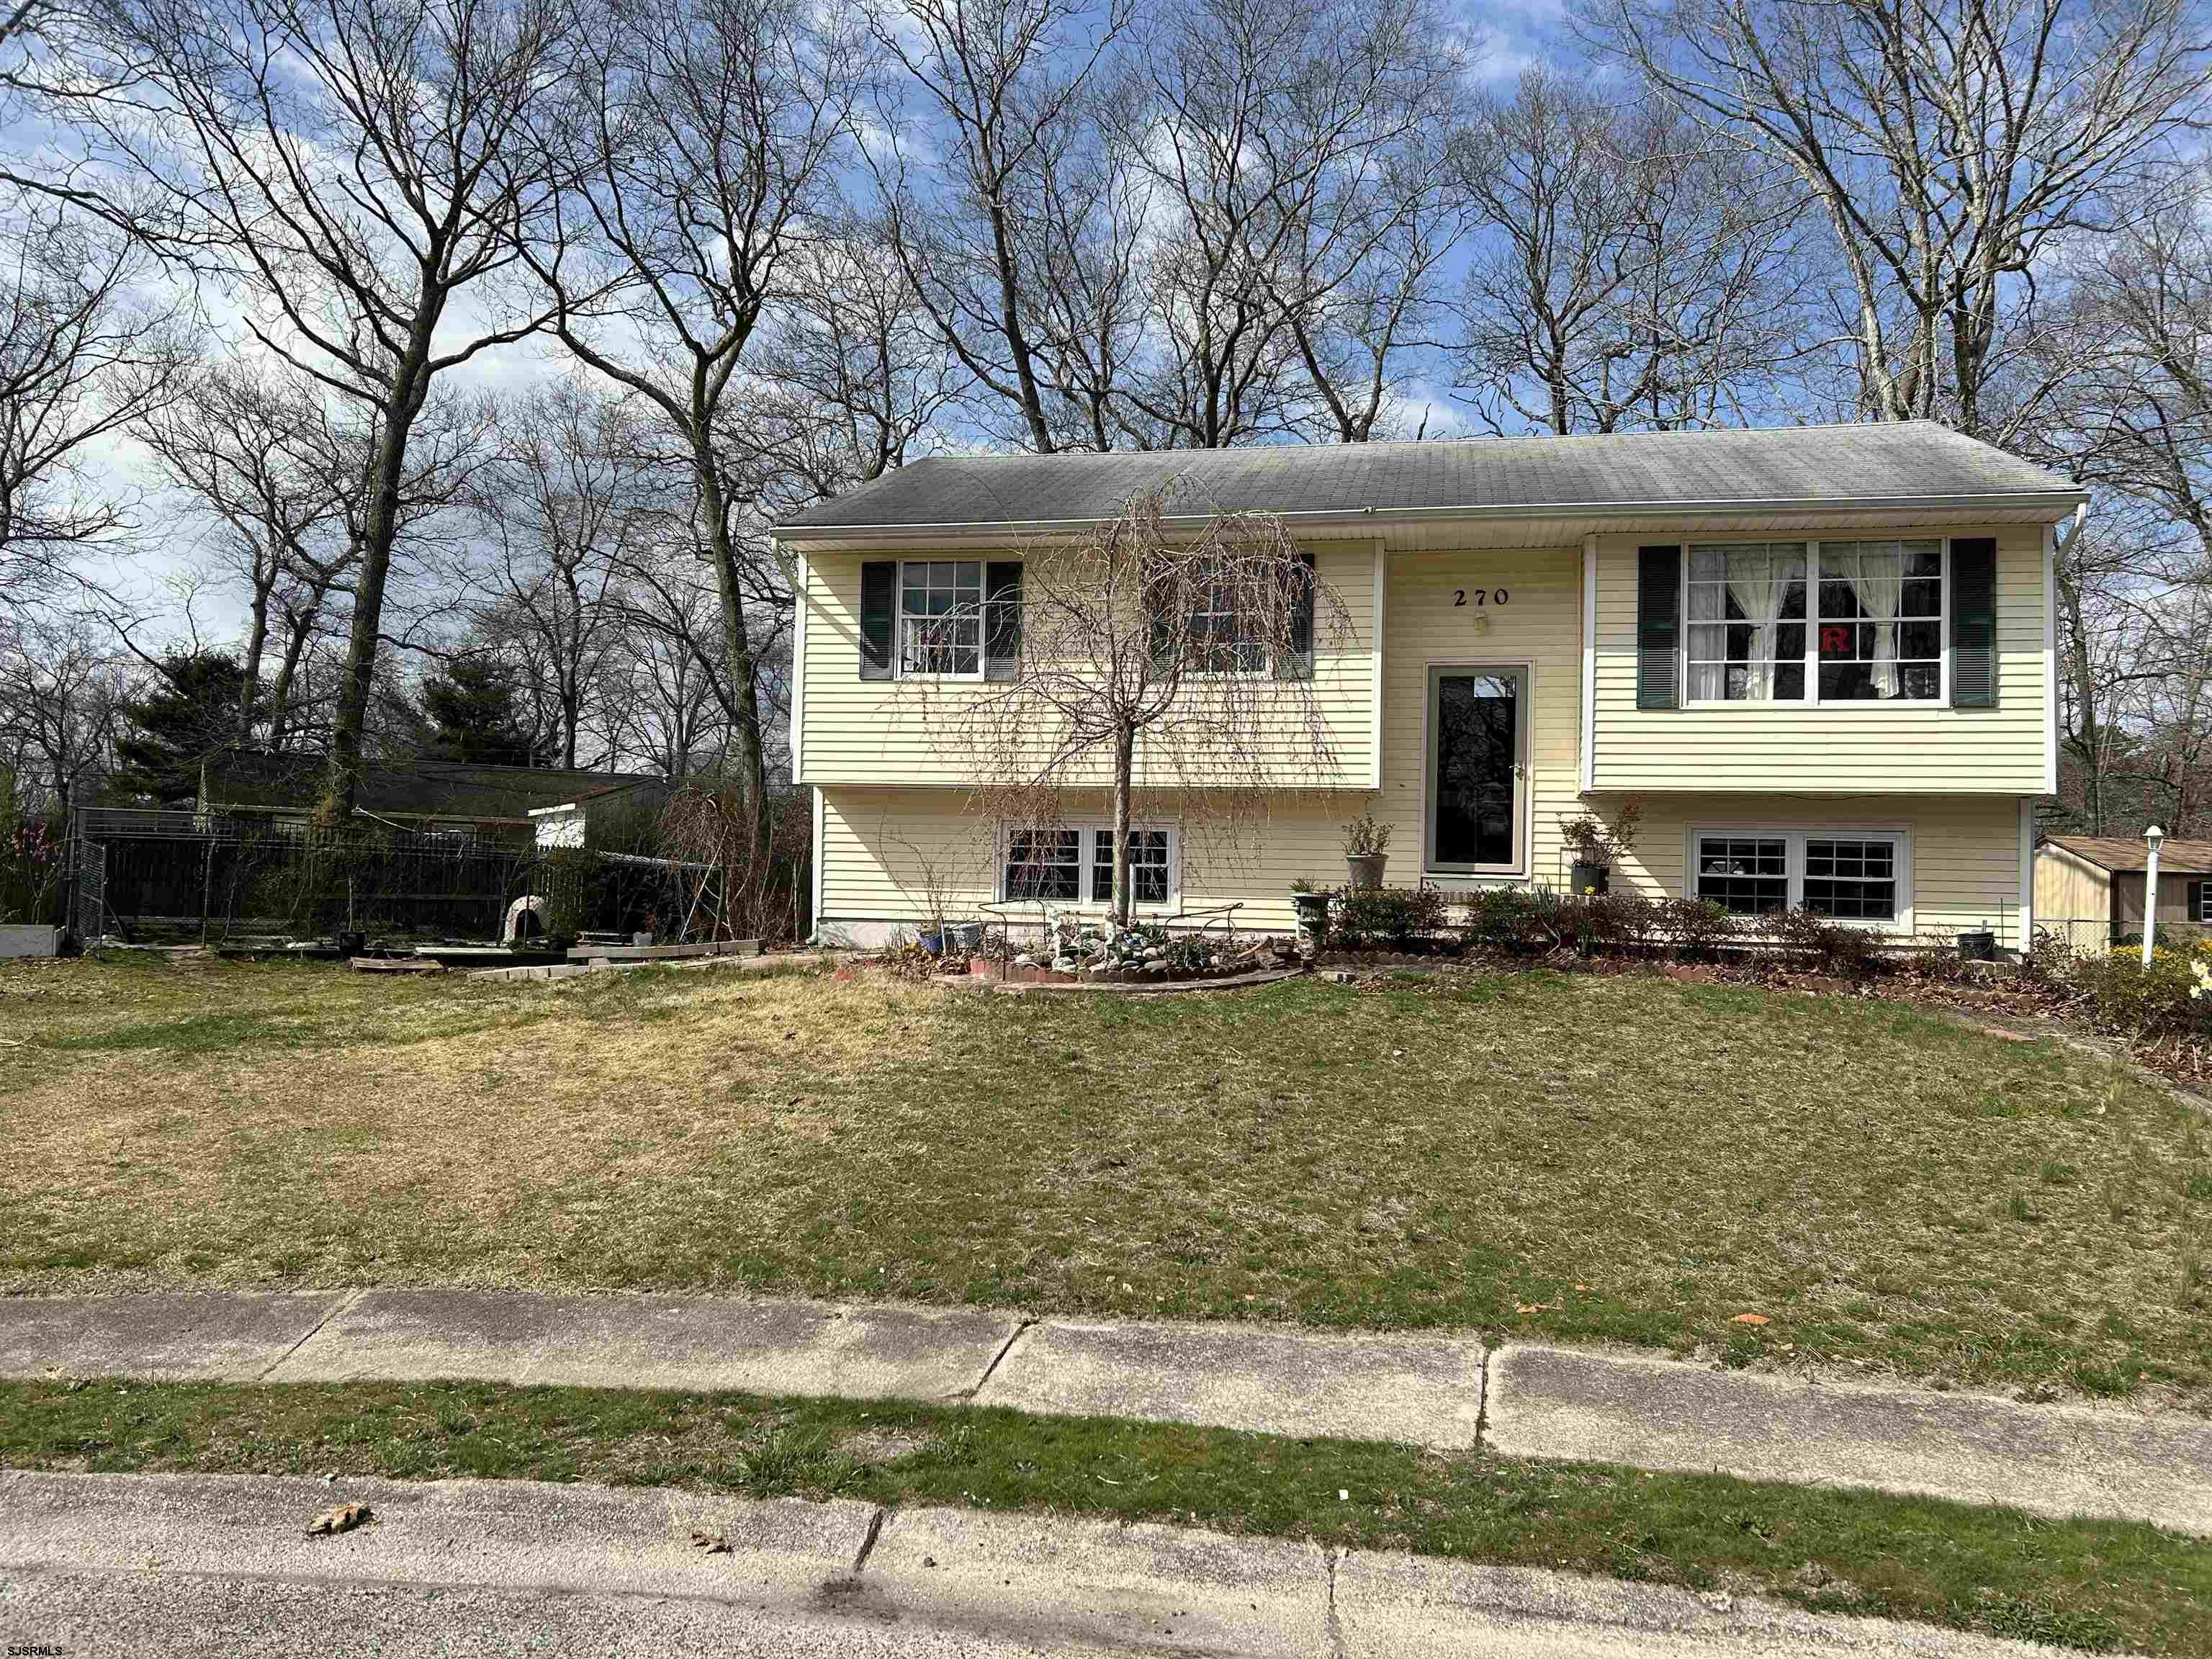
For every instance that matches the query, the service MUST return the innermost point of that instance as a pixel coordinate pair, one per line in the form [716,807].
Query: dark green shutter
[1002,619]
[878,602]
[1974,624]
[2196,902]
[1658,627]
[1296,663]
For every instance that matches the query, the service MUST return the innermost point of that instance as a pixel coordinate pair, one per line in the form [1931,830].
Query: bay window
[1849,875]
[1813,621]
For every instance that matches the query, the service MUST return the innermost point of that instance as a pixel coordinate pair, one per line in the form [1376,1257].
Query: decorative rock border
[1027,973]
[1143,985]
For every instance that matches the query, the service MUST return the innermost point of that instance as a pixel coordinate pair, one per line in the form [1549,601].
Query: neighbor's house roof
[2121,855]
[266,779]
[1902,464]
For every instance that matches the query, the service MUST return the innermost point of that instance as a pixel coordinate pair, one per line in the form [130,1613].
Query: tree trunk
[1124,755]
[736,655]
[411,385]
[256,644]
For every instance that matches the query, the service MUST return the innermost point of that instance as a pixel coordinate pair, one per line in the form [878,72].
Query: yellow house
[1819,660]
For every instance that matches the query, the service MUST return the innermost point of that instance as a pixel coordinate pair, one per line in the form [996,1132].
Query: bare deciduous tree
[353,171]
[1171,653]
[1002,90]
[249,451]
[563,505]
[852,379]
[59,691]
[1953,146]
[83,354]
[1629,271]
[700,144]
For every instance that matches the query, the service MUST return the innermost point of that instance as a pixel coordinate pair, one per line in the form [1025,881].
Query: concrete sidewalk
[1443,1391]
[218,1564]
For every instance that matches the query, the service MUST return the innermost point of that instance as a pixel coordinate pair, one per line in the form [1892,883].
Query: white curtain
[1878,582]
[1759,582]
[1708,638]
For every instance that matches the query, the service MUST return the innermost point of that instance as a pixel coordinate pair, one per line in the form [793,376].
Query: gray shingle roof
[1905,462]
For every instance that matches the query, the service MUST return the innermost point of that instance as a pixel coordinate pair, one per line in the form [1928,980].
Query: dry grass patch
[1618,1159]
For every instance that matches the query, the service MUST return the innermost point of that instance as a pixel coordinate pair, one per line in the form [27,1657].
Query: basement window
[1850,875]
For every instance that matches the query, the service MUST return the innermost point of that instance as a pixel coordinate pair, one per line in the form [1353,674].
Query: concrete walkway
[187,1565]
[1443,1391]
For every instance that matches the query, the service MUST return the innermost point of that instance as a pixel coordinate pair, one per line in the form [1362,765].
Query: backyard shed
[2091,888]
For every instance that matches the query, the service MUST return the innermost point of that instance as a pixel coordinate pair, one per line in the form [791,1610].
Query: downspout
[2055,546]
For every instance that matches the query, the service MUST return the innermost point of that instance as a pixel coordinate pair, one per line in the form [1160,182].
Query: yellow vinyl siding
[879,845]
[1837,748]
[876,731]
[1538,626]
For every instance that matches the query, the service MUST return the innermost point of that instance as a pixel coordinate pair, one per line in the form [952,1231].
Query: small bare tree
[1177,653]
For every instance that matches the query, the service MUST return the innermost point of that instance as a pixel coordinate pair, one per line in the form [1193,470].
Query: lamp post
[2154,835]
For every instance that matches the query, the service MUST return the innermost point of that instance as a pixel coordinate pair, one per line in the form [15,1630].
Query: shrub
[1694,928]
[1369,918]
[2158,1001]
[1504,920]
[1616,921]
[1810,940]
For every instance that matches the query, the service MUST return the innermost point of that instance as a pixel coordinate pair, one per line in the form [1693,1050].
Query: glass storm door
[1477,732]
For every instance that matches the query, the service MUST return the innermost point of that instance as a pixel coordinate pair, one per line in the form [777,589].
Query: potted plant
[1596,843]
[1312,906]
[1367,849]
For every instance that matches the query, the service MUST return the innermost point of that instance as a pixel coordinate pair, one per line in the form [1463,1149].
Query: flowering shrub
[31,857]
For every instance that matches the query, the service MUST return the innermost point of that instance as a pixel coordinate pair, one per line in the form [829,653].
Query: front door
[1477,743]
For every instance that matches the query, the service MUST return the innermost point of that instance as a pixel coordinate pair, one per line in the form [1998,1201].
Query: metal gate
[91,917]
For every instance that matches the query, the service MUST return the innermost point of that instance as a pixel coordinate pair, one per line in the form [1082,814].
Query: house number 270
[1483,596]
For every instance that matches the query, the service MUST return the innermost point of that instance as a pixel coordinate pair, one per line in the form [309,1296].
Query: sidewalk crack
[868,1543]
[997,1359]
[343,1305]
[1331,1624]
[1482,1412]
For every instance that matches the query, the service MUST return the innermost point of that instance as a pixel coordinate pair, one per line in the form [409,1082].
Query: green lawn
[2093,1584]
[1591,1159]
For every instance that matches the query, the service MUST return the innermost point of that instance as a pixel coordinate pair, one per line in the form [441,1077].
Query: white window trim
[1794,836]
[1525,834]
[2204,886]
[899,670]
[1812,697]
[1092,829]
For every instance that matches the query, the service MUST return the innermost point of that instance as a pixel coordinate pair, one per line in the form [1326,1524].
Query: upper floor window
[941,617]
[1788,622]
[1747,614]
[1881,620]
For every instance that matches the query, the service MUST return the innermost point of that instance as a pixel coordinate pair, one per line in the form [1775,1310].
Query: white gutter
[1368,516]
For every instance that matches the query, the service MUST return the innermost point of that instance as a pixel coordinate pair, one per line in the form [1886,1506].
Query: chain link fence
[149,874]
